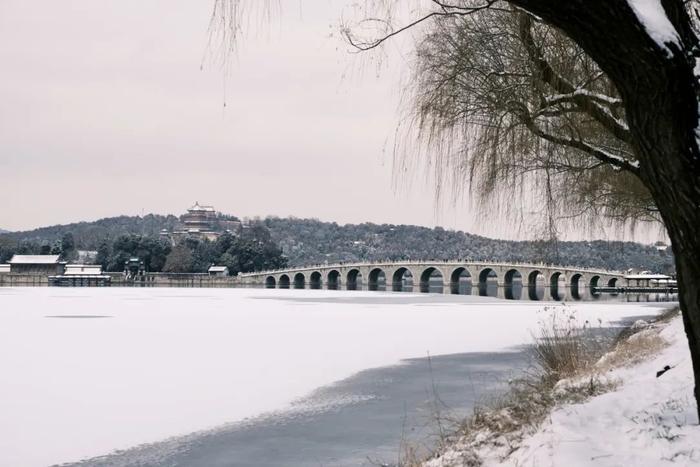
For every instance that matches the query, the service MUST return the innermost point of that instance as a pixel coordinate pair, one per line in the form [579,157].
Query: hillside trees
[152,251]
[89,235]
[252,250]
[104,251]
[67,249]
[179,260]
[310,241]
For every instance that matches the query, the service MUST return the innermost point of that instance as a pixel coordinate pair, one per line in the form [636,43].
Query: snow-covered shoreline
[167,362]
[646,421]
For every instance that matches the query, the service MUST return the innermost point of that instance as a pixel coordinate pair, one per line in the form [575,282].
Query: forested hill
[89,235]
[310,241]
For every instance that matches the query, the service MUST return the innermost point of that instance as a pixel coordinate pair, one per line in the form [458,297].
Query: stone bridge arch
[535,281]
[430,276]
[284,281]
[556,280]
[333,280]
[315,280]
[513,284]
[402,280]
[377,279]
[354,279]
[299,280]
[593,284]
[488,282]
[461,281]
[613,283]
[577,285]
[270,282]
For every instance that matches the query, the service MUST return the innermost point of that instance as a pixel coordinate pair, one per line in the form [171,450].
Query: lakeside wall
[175,280]
[119,280]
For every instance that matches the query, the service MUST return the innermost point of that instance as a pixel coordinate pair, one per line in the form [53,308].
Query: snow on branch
[653,17]
[580,92]
[599,153]
[594,104]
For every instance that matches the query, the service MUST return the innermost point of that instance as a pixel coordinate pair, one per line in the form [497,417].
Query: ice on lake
[88,371]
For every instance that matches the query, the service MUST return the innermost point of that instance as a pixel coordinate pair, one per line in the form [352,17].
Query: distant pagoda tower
[199,218]
[203,222]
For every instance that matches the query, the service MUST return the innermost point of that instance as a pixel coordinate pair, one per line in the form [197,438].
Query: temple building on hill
[199,218]
[203,222]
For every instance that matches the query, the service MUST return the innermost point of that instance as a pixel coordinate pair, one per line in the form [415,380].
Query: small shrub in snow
[565,347]
[639,325]
[573,390]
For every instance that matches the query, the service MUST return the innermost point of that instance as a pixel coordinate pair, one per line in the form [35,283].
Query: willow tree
[631,127]
[505,102]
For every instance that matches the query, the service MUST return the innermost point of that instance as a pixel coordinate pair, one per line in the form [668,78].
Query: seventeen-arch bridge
[504,280]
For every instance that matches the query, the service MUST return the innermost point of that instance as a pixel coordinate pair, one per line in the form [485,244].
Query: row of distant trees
[310,241]
[252,250]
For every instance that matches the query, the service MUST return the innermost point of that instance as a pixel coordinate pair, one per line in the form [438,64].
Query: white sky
[106,112]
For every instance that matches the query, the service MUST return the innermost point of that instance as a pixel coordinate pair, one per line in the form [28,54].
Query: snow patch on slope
[649,421]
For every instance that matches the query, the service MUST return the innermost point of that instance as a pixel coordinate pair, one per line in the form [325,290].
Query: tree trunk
[688,273]
[660,93]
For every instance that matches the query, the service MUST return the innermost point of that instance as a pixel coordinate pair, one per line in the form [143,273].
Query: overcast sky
[106,110]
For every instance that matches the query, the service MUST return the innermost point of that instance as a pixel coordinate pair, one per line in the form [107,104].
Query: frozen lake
[88,371]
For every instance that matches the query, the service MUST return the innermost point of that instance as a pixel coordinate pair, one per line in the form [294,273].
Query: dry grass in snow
[587,406]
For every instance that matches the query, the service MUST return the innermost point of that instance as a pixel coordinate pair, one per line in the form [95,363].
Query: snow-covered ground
[87,371]
[647,422]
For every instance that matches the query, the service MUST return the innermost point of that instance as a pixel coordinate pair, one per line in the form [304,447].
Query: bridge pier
[501,294]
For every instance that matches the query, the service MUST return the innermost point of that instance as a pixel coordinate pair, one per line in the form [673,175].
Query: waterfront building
[218,270]
[83,270]
[44,265]
[81,275]
[647,279]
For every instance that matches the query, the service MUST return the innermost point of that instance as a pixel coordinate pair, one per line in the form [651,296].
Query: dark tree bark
[660,93]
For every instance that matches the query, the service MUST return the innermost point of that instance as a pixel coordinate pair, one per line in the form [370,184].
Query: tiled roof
[199,207]
[34,259]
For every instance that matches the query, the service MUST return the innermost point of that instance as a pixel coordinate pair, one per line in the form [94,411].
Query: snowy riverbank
[88,371]
[647,421]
